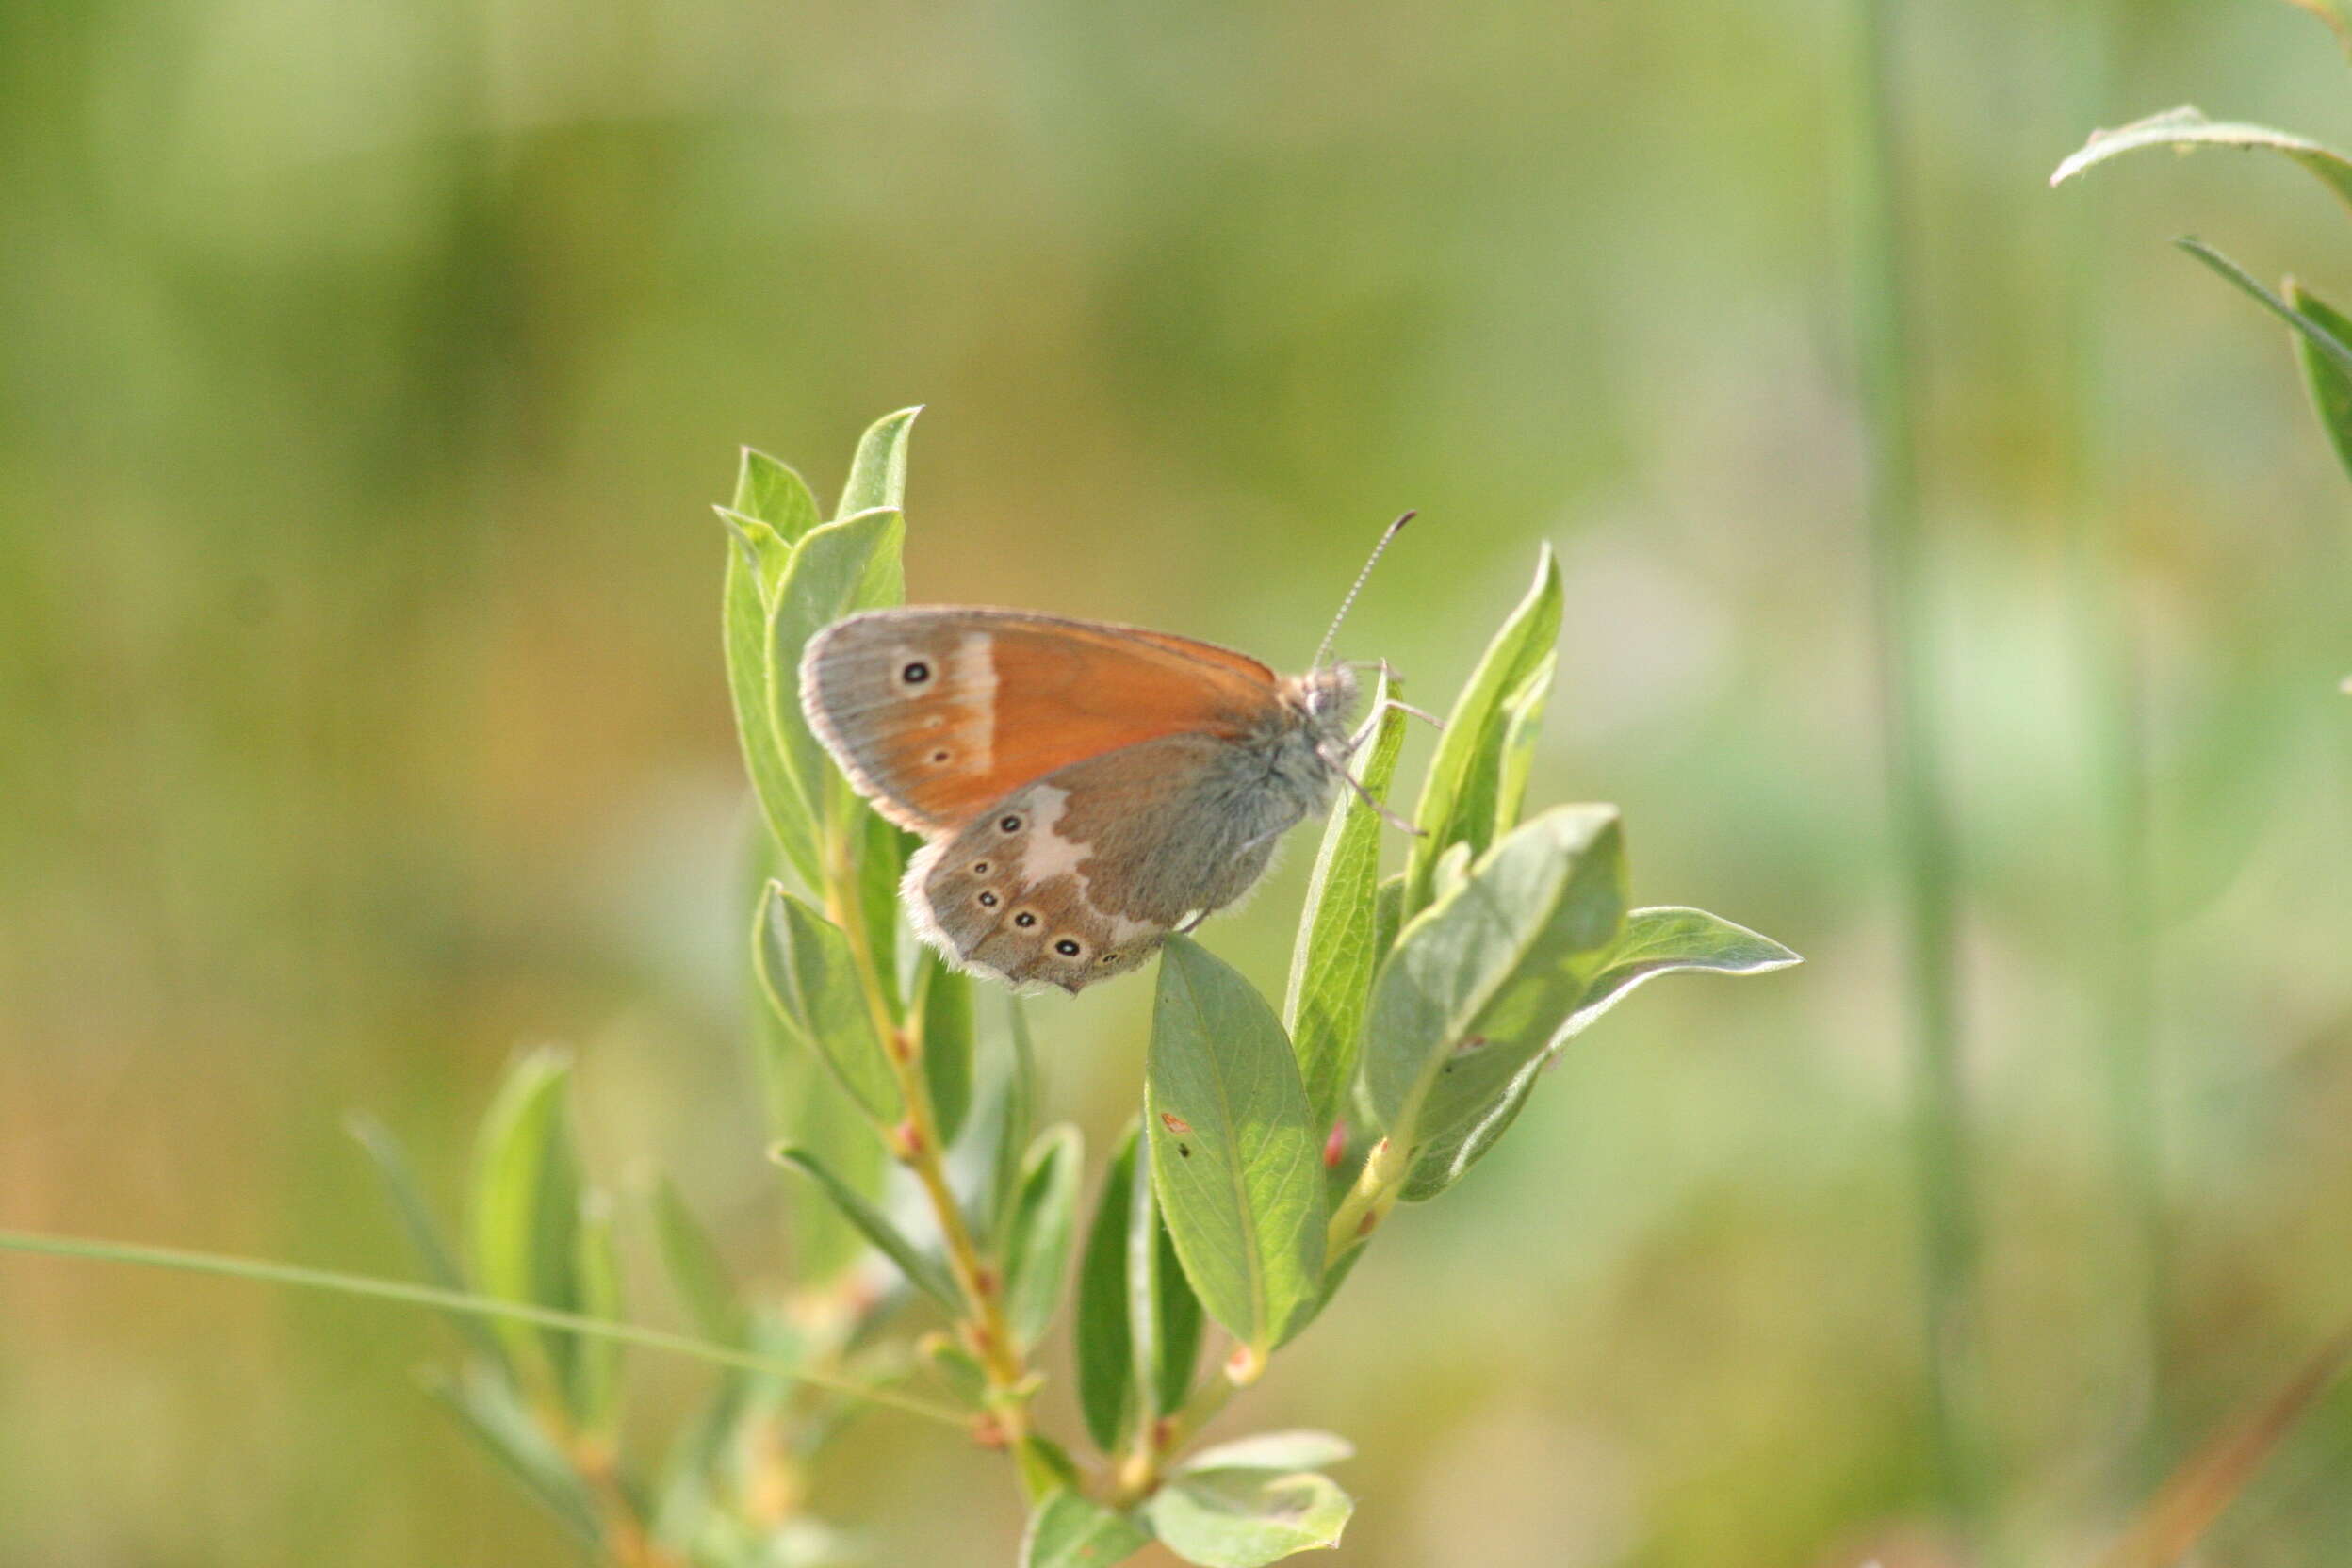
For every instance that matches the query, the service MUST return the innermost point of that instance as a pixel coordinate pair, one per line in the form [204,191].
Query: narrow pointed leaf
[772,493]
[1104,1354]
[843,567]
[947,1042]
[592,1388]
[1164,1316]
[1014,1121]
[878,474]
[1481,981]
[1454,808]
[524,1216]
[434,1253]
[811,980]
[2330,385]
[921,1271]
[1234,1156]
[957,1369]
[882,851]
[1045,1219]
[697,1271]
[783,807]
[1071,1531]
[1331,968]
[1523,725]
[2337,351]
[489,1409]
[1245,1518]
[2186,127]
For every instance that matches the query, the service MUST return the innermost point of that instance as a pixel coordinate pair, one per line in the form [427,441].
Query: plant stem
[2124,957]
[917,1145]
[1923,835]
[1158,1441]
[459,1302]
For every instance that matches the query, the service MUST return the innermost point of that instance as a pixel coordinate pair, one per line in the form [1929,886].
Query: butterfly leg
[1340,763]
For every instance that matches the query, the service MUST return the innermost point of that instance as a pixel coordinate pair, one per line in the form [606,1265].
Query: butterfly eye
[1024,919]
[915,673]
[1009,825]
[987,901]
[1067,948]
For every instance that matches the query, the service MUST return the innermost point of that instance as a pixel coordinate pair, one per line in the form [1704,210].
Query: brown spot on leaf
[1175,1123]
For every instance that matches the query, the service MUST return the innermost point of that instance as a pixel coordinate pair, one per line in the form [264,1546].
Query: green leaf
[1014,1122]
[921,1271]
[1243,1518]
[1234,1156]
[433,1253]
[744,625]
[1523,724]
[1071,1531]
[1298,1449]
[2333,13]
[697,1271]
[1331,966]
[882,851]
[1484,978]
[524,1218]
[1656,941]
[2330,385]
[2187,128]
[849,565]
[489,1407]
[947,1042]
[1045,1217]
[1046,1466]
[2337,351]
[1458,803]
[1104,1348]
[878,474]
[593,1389]
[772,493]
[1664,939]
[811,979]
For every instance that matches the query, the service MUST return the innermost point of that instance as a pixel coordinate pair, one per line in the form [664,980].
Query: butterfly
[1083,789]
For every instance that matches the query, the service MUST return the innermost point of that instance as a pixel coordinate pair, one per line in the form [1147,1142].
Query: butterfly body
[1086,789]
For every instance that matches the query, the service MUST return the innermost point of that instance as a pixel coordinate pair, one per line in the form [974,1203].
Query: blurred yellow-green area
[365,373]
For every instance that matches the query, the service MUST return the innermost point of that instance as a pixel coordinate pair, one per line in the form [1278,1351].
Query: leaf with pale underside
[2186,128]
[1331,966]
[1071,1531]
[1247,1518]
[878,474]
[1300,1448]
[1045,1219]
[1481,980]
[1236,1159]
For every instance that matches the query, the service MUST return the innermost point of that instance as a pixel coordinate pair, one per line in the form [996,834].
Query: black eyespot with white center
[915,672]
[1067,948]
[1024,919]
[1009,823]
[979,868]
[987,901]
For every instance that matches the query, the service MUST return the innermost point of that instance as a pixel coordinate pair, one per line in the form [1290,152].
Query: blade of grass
[2338,352]
[406,1294]
[1925,851]
[2200,1490]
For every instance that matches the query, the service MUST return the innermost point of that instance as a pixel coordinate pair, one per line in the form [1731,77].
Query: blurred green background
[365,375]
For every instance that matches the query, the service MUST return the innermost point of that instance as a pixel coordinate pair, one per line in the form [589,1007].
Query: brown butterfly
[1086,789]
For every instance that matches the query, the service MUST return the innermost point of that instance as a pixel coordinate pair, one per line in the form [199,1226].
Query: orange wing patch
[937,713]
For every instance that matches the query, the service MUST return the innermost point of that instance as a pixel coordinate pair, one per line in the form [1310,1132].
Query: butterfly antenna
[1348,603]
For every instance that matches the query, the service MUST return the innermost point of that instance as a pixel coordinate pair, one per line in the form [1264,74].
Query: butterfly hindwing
[1081,875]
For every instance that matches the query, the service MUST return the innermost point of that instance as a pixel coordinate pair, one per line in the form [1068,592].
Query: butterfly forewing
[937,713]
